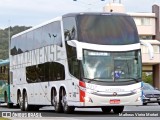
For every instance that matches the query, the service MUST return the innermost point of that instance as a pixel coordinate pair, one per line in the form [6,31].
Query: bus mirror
[150,49]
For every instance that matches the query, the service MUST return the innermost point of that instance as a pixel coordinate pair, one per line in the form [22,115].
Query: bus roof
[37,26]
[68,15]
[94,13]
[4,62]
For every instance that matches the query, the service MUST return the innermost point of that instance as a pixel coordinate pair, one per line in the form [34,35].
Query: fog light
[139,99]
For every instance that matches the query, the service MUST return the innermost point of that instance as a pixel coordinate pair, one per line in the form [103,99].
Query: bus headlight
[90,91]
[139,99]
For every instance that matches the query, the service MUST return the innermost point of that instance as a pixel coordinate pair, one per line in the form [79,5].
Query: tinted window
[14,46]
[147,87]
[30,41]
[4,73]
[70,30]
[50,71]
[73,63]
[54,34]
[40,37]
[107,29]
[19,44]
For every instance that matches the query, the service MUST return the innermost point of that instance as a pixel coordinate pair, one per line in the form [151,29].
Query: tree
[147,78]
[4,39]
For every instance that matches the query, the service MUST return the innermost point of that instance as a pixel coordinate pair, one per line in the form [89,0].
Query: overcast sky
[33,12]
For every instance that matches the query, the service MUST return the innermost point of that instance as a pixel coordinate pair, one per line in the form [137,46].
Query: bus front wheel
[118,109]
[106,109]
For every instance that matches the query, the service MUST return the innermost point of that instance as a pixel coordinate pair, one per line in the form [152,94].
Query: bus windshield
[112,66]
[107,29]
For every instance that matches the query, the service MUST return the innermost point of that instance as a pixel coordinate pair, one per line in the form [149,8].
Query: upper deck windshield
[112,66]
[107,29]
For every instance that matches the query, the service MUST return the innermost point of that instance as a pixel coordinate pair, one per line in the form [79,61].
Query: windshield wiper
[89,79]
[135,79]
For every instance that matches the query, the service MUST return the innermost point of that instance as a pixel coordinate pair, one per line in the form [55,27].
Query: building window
[142,21]
[137,21]
[145,37]
[156,48]
[144,49]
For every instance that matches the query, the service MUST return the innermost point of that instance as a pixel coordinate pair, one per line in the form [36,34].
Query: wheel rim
[26,102]
[19,100]
[64,101]
[54,99]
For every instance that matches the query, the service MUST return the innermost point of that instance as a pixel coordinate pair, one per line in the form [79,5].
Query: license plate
[115,101]
[153,99]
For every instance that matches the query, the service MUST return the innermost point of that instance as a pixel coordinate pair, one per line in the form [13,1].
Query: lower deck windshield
[112,66]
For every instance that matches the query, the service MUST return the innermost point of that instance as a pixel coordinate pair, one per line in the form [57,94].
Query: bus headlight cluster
[136,90]
[90,91]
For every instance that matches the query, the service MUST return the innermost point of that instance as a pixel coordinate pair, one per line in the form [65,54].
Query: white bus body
[50,64]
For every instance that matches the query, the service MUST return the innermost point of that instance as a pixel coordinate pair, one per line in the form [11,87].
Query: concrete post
[156,76]
[156,10]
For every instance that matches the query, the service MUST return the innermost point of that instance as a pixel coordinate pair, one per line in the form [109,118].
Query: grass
[4,118]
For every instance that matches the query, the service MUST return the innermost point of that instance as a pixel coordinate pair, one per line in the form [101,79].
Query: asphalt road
[149,112]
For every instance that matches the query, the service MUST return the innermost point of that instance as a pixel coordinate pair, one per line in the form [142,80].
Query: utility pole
[9,37]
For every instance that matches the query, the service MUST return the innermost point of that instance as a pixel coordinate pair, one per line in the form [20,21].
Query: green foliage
[147,78]
[4,118]
[4,39]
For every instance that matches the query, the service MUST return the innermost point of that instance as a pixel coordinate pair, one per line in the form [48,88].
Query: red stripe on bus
[82,93]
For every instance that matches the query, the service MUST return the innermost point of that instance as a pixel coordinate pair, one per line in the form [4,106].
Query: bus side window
[59,71]
[11,77]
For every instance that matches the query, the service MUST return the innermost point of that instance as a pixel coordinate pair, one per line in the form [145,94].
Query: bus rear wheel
[57,105]
[26,106]
[67,109]
[54,97]
[118,109]
[21,104]
[19,100]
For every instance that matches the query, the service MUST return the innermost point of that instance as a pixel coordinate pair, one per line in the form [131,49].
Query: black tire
[118,109]
[54,97]
[57,105]
[10,105]
[67,109]
[159,103]
[19,101]
[106,109]
[34,108]
[144,103]
[5,97]
[22,104]
[27,107]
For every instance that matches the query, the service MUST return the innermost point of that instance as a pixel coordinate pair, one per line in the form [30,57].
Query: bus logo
[114,94]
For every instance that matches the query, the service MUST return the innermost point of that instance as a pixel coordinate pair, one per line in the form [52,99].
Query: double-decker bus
[4,82]
[77,60]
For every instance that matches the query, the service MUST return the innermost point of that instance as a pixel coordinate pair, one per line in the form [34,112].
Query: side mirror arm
[150,49]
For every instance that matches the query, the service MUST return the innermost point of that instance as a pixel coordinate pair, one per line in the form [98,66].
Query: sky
[34,12]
